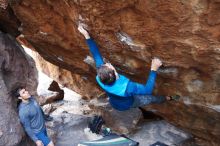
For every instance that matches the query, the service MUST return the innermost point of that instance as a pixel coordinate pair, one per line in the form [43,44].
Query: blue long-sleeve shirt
[32,118]
[121,93]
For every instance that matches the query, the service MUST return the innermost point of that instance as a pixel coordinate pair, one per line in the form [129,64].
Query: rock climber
[122,92]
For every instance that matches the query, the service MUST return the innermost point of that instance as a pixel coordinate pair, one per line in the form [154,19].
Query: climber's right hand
[83,31]
[156,63]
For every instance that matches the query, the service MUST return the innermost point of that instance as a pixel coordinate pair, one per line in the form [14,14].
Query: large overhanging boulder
[184,34]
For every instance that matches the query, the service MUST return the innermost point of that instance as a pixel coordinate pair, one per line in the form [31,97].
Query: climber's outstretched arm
[92,47]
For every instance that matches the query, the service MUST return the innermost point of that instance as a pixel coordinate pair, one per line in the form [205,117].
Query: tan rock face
[78,83]
[184,34]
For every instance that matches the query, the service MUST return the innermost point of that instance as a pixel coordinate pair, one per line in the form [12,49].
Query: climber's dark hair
[106,75]
[16,93]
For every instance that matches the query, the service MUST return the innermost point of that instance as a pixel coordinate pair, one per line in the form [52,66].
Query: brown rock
[199,120]
[59,92]
[8,21]
[56,97]
[50,97]
[51,94]
[16,69]
[122,122]
[184,34]
[54,86]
